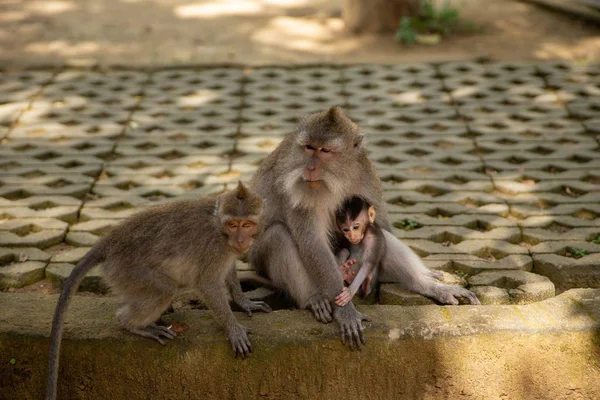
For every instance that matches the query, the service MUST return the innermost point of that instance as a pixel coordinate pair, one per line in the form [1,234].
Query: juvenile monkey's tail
[93,257]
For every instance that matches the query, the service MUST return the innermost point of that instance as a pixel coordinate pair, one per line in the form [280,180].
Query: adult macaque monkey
[303,181]
[151,255]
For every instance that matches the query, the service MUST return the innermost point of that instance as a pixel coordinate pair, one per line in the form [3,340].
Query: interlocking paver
[488,169]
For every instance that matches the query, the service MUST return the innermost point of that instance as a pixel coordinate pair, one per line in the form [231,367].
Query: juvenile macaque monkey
[303,181]
[361,249]
[147,258]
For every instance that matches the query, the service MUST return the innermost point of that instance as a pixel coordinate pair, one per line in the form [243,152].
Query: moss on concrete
[542,351]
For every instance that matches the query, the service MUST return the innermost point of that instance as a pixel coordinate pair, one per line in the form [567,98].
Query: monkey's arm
[233,285]
[372,250]
[214,296]
[316,255]
[342,256]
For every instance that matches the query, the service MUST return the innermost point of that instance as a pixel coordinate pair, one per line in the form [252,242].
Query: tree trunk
[377,16]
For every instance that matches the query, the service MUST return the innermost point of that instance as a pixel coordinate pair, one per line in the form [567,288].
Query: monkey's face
[240,234]
[317,159]
[354,229]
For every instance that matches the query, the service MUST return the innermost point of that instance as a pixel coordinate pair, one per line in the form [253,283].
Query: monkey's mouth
[314,184]
[357,240]
[241,250]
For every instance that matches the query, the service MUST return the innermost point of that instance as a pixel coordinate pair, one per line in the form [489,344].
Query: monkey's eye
[355,227]
[247,224]
[309,147]
[231,225]
[326,150]
[346,230]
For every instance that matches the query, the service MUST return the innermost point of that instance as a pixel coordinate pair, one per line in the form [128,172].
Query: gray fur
[302,220]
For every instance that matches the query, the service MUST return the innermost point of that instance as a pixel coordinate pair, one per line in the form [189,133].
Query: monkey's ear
[372,214]
[242,192]
[359,142]
[335,113]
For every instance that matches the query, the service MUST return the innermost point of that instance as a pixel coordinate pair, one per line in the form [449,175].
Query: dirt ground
[163,32]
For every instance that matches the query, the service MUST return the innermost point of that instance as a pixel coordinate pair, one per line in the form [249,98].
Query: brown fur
[148,257]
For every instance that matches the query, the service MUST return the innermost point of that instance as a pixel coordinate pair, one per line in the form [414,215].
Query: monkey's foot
[447,294]
[321,308]
[238,337]
[436,274]
[350,321]
[248,306]
[155,332]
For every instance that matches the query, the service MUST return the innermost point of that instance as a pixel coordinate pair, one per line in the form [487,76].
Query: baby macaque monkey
[361,250]
[147,258]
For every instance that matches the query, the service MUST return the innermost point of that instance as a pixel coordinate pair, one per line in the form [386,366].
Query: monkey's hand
[248,306]
[350,321]
[447,294]
[344,297]
[347,274]
[321,308]
[238,337]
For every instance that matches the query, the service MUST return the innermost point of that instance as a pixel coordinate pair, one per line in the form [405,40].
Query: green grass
[432,20]
[576,252]
[407,225]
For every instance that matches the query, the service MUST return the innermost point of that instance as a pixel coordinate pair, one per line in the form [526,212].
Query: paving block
[472,264]
[490,250]
[584,108]
[567,272]
[479,222]
[157,193]
[567,248]
[21,274]
[70,167]
[559,232]
[499,111]
[13,255]
[40,233]
[558,223]
[452,235]
[518,287]
[81,239]
[93,282]
[72,256]
[444,210]
[63,213]
[432,194]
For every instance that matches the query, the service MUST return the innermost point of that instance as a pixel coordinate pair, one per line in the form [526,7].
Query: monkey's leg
[145,296]
[233,284]
[403,266]
[279,256]
[138,316]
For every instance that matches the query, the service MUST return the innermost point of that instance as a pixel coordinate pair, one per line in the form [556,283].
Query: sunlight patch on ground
[580,51]
[66,48]
[220,8]
[199,97]
[50,7]
[319,36]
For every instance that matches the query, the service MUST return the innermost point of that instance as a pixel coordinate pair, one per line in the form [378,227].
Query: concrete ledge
[545,350]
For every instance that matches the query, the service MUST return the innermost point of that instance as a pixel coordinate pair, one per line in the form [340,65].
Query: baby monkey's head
[353,218]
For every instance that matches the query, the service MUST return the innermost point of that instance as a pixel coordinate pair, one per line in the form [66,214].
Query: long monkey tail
[93,257]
